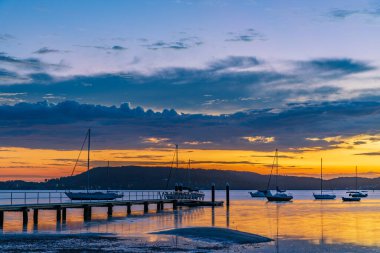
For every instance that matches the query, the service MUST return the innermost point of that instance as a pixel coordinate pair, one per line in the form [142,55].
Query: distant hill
[153,178]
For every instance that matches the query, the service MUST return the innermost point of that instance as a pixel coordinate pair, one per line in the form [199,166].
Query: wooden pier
[36,201]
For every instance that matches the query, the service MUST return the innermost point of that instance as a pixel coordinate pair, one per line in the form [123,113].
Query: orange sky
[39,164]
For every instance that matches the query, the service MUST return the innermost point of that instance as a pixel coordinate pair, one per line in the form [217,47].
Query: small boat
[351,199]
[260,194]
[93,195]
[182,192]
[356,193]
[88,195]
[280,195]
[322,195]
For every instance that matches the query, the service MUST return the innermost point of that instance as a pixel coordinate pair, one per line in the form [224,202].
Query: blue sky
[196,57]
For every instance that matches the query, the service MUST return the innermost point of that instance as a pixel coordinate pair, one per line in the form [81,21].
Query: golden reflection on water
[319,222]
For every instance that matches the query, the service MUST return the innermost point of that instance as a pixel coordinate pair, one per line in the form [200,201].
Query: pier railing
[51,197]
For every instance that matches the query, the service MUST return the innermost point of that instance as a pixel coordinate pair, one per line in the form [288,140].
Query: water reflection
[320,224]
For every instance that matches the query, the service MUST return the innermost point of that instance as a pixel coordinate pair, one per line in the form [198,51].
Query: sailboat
[280,195]
[322,195]
[87,195]
[356,193]
[260,193]
[182,192]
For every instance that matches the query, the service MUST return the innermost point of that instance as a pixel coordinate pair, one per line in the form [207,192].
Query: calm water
[304,225]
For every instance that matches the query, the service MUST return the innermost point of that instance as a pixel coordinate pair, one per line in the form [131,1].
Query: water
[303,225]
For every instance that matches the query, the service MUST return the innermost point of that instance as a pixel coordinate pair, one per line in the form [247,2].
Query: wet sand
[216,234]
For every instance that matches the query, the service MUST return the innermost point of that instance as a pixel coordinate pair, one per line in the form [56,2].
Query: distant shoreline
[152,178]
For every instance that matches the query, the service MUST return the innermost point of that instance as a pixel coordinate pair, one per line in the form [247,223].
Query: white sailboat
[280,195]
[323,195]
[356,193]
[87,195]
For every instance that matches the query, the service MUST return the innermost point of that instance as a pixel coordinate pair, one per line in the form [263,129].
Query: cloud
[196,142]
[370,154]
[63,125]
[118,48]
[332,67]
[6,37]
[107,48]
[16,70]
[259,139]
[46,50]
[183,43]
[342,13]
[337,13]
[246,36]
[155,140]
[224,85]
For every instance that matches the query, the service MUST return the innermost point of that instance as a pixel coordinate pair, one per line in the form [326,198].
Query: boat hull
[324,196]
[260,194]
[350,199]
[93,195]
[179,195]
[359,195]
[277,198]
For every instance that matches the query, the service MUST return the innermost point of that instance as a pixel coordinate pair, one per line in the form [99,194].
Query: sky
[228,81]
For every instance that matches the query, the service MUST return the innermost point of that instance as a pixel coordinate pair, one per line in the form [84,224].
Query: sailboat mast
[188,174]
[276,168]
[356,178]
[321,177]
[88,159]
[108,175]
[176,153]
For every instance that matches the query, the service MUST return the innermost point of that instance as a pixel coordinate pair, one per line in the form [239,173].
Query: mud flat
[222,235]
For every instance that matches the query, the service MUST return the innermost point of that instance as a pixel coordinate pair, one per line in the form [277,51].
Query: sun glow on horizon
[340,160]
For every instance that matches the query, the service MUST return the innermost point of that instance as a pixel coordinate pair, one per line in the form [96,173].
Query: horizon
[227,81]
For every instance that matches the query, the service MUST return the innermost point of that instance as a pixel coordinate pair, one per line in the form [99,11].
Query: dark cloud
[235,61]
[345,13]
[31,64]
[337,66]
[342,13]
[46,50]
[370,154]
[118,48]
[108,48]
[63,125]
[245,36]
[183,43]
[226,85]
[6,36]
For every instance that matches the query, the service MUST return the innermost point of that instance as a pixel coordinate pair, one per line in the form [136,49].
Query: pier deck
[57,201]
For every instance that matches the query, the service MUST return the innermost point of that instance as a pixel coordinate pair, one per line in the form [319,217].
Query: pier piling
[146,207]
[35,216]
[129,211]
[25,216]
[59,214]
[1,219]
[213,193]
[109,210]
[64,214]
[227,194]
[175,204]
[87,213]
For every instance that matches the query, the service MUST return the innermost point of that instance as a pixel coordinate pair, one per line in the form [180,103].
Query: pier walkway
[58,201]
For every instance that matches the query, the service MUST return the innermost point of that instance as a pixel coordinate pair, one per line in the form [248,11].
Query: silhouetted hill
[153,178]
